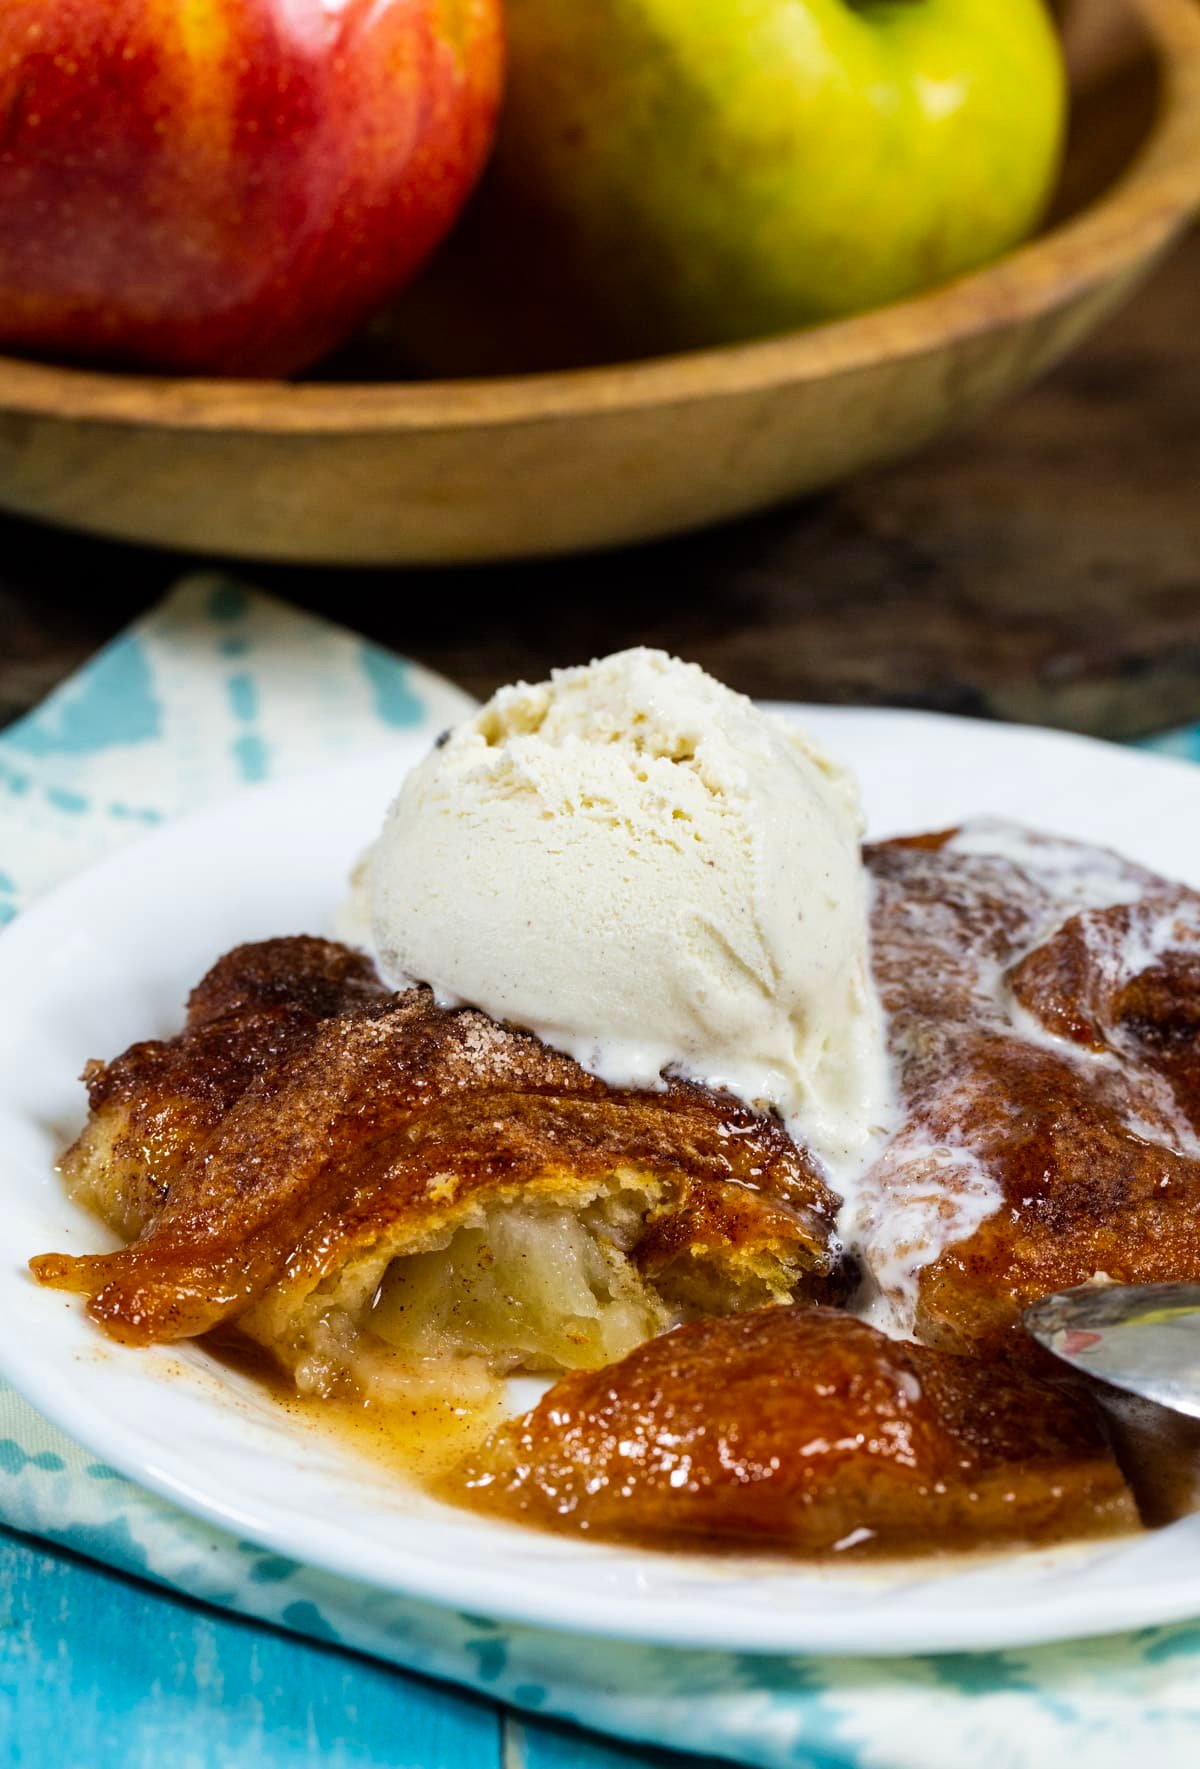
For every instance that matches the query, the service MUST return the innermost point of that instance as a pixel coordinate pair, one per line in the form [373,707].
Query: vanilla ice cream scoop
[649,872]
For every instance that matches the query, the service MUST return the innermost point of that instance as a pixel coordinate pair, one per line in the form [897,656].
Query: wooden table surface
[1045,568]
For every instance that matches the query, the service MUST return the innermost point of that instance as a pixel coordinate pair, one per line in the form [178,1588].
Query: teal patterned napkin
[219,686]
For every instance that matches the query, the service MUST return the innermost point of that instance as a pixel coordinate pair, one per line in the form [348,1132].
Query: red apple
[230,186]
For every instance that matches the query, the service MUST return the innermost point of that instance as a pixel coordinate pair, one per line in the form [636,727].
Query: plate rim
[609,1616]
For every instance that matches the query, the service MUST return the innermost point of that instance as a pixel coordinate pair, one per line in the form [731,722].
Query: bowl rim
[1138,216]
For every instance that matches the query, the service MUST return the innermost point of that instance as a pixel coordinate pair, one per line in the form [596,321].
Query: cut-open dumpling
[370,1185]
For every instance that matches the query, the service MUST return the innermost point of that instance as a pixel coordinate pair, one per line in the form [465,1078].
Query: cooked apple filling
[532,1288]
[524,1286]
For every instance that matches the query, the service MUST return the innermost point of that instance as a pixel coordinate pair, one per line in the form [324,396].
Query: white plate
[109,958]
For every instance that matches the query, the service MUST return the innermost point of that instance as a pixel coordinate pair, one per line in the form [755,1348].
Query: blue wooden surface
[101,1670]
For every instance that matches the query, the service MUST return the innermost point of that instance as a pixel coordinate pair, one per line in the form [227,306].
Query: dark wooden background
[1045,568]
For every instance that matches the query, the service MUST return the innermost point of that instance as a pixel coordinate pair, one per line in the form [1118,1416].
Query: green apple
[679,173]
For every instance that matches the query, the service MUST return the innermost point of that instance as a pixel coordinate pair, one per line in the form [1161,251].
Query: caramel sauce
[420,1440]
[421,1444]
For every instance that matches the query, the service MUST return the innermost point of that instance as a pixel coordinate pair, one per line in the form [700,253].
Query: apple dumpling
[378,1189]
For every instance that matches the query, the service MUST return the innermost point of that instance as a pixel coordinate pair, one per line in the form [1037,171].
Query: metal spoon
[1143,1338]
[1140,1345]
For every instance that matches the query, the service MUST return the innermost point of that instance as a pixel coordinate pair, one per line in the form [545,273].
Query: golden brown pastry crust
[802,1429]
[288,1133]
[154,1107]
[1054,1054]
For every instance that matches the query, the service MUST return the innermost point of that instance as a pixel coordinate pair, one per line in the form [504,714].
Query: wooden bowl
[389,473]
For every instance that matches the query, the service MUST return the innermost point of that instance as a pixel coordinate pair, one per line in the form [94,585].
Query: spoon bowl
[1142,1338]
[1139,1347]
